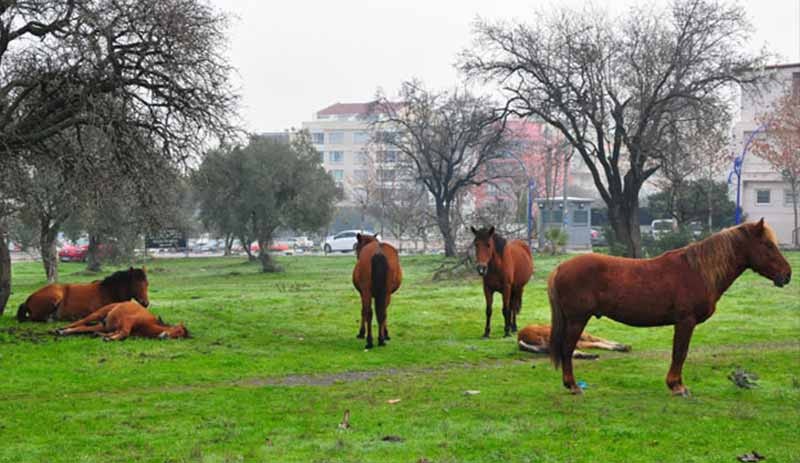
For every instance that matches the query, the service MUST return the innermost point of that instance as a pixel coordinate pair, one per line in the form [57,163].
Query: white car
[344,241]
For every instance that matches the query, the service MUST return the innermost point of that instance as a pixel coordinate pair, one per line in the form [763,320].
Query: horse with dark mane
[117,321]
[377,275]
[74,301]
[679,287]
[506,267]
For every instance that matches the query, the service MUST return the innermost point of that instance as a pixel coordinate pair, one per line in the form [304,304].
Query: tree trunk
[796,231]
[47,246]
[246,246]
[625,222]
[268,264]
[443,221]
[93,263]
[5,268]
[228,244]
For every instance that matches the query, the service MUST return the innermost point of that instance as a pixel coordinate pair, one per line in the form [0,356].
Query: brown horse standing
[377,275]
[71,302]
[506,267]
[679,287]
[117,321]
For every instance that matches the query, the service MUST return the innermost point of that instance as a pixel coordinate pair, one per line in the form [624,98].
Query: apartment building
[762,190]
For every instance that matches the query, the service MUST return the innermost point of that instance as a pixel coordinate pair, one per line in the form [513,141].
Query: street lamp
[737,171]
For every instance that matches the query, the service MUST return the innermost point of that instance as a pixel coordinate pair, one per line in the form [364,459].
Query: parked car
[696,227]
[598,237]
[344,241]
[300,242]
[661,227]
[275,247]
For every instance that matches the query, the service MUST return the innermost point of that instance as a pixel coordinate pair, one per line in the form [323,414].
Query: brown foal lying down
[117,321]
[536,338]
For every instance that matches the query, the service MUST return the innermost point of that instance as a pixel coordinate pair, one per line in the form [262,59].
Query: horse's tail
[380,270]
[558,322]
[23,313]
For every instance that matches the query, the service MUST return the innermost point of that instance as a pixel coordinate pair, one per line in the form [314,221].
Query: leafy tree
[781,145]
[271,185]
[448,138]
[142,71]
[702,200]
[624,91]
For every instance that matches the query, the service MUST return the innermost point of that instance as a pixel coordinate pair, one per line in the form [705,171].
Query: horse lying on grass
[116,322]
[377,275]
[679,287]
[536,339]
[74,301]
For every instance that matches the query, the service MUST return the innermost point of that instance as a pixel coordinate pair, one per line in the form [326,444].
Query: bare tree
[616,88]
[448,137]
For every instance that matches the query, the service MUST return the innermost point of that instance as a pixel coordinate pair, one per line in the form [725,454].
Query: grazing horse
[536,339]
[377,275]
[679,287]
[506,267]
[119,320]
[71,302]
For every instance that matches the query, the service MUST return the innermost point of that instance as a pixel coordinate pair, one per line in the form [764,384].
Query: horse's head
[484,248]
[138,285]
[174,332]
[363,240]
[763,255]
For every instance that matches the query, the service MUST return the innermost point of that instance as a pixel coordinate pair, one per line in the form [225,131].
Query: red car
[79,252]
[73,253]
[276,247]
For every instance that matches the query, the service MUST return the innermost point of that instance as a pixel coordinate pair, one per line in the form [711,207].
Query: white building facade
[762,191]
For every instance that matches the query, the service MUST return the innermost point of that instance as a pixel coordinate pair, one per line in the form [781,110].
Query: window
[788,199]
[360,138]
[492,190]
[338,175]
[580,217]
[336,156]
[554,216]
[322,156]
[763,197]
[362,157]
[360,175]
[388,156]
[387,175]
[318,138]
[335,138]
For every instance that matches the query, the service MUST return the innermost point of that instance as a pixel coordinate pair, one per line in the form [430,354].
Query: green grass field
[274,363]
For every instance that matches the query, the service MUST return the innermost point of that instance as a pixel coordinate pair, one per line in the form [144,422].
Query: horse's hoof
[485,336]
[506,335]
[369,346]
[381,343]
[681,391]
[360,336]
[387,338]
[575,390]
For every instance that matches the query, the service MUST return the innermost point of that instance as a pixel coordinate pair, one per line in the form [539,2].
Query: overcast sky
[294,57]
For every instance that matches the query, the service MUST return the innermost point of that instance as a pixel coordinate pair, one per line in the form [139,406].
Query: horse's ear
[130,269]
[491,231]
[474,232]
[358,237]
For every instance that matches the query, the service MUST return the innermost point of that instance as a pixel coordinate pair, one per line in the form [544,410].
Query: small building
[577,218]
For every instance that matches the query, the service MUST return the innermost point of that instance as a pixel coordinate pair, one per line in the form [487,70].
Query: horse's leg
[381,315]
[95,316]
[119,335]
[574,330]
[365,302]
[507,310]
[603,344]
[488,294]
[576,354]
[516,306]
[81,329]
[366,316]
[680,347]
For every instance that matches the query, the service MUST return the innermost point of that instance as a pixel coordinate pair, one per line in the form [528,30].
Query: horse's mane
[499,243]
[123,277]
[712,257]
